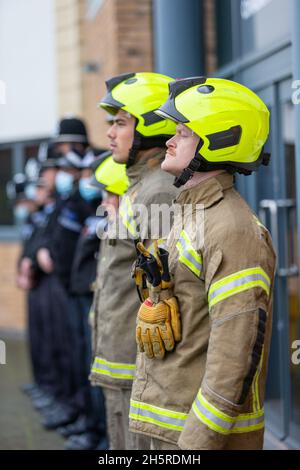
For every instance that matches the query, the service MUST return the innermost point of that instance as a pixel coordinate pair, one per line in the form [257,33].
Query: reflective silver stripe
[187,251]
[116,370]
[211,416]
[158,416]
[192,259]
[237,283]
[69,224]
[113,369]
[225,424]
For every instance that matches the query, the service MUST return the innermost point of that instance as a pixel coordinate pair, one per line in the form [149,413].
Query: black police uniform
[40,311]
[61,237]
[90,399]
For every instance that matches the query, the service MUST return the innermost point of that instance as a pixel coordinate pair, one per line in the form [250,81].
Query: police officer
[22,193]
[45,393]
[38,319]
[56,255]
[32,279]
[207,391]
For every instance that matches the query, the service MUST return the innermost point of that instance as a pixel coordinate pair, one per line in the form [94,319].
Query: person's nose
[171,143]
[111,133]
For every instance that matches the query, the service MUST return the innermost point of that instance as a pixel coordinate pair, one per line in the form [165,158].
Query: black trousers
[60,341]
[89,400]
[39,329]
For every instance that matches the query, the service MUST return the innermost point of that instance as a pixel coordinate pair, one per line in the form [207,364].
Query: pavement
[20,424]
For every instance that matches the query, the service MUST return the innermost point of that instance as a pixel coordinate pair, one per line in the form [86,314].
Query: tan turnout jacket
[209,392]
[116,299]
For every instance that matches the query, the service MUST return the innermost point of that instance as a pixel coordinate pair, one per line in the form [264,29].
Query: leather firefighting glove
[158,320]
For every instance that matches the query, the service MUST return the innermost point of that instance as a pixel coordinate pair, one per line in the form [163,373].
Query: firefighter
[206,391]
[112,179]
[137,138]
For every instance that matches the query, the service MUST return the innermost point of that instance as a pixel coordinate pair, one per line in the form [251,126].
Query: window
[247,26]
[6,215]
[264,23]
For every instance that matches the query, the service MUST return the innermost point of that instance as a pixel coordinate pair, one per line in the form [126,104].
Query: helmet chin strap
[198,163]
[144,143]
[136,146]
[194,165]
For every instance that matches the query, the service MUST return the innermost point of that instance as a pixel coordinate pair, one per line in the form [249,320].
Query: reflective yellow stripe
[127,216]
[255,407]
[238,282]
[187,254]
[129,225]
[259,222]
[91,315]
[255,390]
[221,422]
[161,417]
[115,370]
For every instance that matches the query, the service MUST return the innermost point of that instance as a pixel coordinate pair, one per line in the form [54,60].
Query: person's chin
[118,158]
[167,166]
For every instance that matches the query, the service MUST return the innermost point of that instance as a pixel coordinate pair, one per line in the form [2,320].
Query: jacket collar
[150,159]
[207,192]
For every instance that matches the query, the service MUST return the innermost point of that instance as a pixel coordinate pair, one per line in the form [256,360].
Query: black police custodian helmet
[71,130]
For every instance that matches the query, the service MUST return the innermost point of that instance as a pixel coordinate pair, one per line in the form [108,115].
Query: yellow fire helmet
[231,121]
[111,176]
[140,94]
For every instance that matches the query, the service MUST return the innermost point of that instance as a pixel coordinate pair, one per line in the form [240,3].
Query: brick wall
[68,56]
[117,39]
[12,299]
[100,48]
[210,36]
[134,35]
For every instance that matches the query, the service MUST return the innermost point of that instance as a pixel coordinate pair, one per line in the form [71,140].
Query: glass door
[290,268]
[276,203]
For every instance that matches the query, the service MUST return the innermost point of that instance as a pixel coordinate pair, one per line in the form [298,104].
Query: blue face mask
[21,214]
[64,183]
[87,191]
[30,191]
